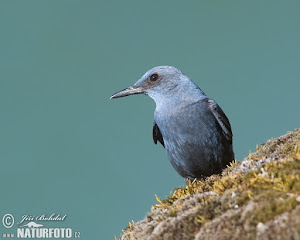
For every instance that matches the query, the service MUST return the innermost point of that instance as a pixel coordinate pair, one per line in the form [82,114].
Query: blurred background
[67,149]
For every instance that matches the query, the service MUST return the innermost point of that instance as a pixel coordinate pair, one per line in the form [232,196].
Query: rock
[258,198]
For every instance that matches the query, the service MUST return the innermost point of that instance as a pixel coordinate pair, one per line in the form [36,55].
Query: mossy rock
[258,198]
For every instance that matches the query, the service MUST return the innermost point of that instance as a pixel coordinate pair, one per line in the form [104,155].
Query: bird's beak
[128,91]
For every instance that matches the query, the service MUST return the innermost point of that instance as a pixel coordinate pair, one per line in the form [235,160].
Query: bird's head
[157,83]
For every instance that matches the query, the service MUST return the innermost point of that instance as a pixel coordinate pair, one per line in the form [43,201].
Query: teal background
[66,148]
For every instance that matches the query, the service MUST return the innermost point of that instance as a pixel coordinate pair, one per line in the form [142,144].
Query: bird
[192,127]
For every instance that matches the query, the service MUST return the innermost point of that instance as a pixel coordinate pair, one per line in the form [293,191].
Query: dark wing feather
[221,118]
[157,136]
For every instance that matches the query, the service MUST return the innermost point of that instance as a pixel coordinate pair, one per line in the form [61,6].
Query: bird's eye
[154,77]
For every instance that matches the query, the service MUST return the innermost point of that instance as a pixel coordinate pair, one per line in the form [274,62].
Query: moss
[239,203]
[271,206]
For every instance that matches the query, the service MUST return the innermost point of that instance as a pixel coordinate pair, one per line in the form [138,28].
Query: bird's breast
[191,137]
[185,124]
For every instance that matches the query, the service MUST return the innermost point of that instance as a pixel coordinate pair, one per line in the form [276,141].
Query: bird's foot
[188,181]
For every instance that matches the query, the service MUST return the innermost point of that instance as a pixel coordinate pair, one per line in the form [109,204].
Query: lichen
[251,199]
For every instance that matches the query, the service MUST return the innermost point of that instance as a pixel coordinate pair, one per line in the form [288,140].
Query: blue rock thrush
[192,127]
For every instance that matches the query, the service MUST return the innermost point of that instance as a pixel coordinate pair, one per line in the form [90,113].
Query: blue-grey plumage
[192,127]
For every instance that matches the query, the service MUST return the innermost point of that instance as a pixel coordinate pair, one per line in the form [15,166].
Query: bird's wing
[157,136]
[221,118]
